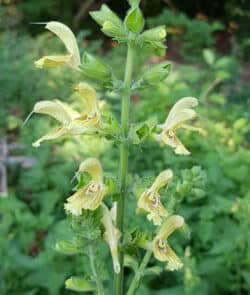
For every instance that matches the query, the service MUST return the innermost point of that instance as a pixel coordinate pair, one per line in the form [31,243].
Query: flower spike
[150,201]
[180,113]
[111,236]
[91,195]
[68,38]
[71,121]
[161,249]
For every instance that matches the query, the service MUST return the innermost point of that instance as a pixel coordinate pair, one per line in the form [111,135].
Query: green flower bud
[155,34]
[113,30]
[157,73]
[111,24]
[105,14]
[95,68]
[66,247]
[79,285]
[134,20]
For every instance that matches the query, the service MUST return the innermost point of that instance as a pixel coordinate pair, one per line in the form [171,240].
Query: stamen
[162,245]
[154,199]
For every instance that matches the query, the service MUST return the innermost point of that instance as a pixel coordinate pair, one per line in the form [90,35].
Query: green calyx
[111,24]
[156,73]
[79,285]
[95,68]
[134,20]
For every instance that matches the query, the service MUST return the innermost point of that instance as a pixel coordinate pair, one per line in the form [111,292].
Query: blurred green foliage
[191,34]
[212,184]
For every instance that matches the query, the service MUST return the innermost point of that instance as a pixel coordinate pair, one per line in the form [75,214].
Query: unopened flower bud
[113,30]
[155,34]
[95,68]
[66,247]
[78,284]
[157,73]
[104,14]
[111,24]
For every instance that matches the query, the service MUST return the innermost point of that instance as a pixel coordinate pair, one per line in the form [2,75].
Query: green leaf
[139,132]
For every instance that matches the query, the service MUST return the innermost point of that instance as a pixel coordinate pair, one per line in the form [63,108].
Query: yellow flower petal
[71,113]
[93,167]
[72,121]
[83,124]
[174,262]
[182,106]
[69,40]
[180,113]
[161,249]
[89,197]
[163,252]
[162,179]
[150,200]
[88,93]
[111,236]
[52,61]
[170,138]
[54,109]
[53,134]
[171,224]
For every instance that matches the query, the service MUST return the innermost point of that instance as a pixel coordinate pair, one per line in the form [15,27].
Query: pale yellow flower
[161,249]
[91,195]
[71,121]
[72,59]
[150,200]
[111,236]
[178,116]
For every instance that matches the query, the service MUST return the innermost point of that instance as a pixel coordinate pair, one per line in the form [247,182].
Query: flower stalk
[139,274]
[124,148]
[96,276]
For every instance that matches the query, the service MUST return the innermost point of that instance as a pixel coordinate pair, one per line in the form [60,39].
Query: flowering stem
[139,273]
[124,147]
[100,288]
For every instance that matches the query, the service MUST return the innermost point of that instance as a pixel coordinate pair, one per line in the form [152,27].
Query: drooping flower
[71,121]
[71,59]
[111,236]
[150,200]
[177,118]
[91,195]
[161,249]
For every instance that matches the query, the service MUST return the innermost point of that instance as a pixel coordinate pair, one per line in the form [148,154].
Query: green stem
[124,147]
[139,274]
[99,285]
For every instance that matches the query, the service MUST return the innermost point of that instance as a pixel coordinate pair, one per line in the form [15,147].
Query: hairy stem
[124,147]
[99,285]
[139,274]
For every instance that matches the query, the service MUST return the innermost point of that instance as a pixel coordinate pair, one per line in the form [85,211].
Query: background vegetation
[208,45]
